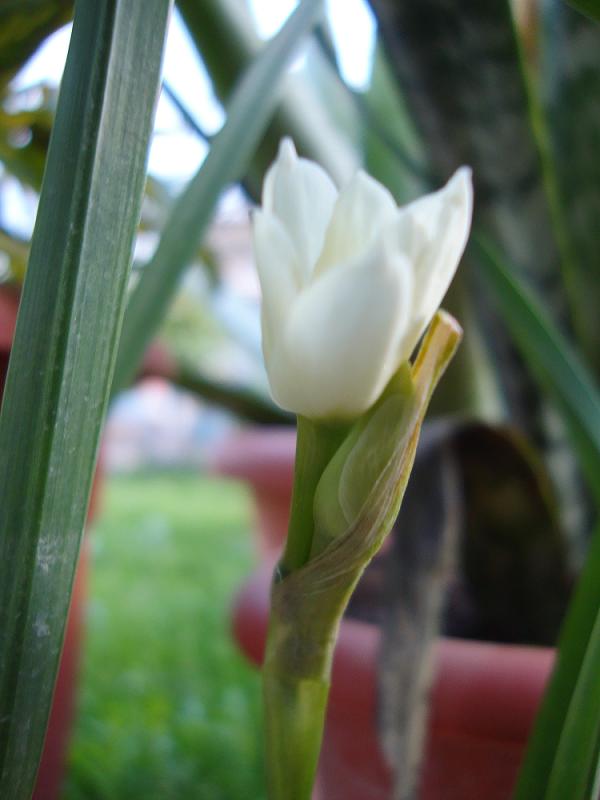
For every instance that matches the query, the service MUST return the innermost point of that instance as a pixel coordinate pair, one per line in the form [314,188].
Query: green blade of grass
[64,350]
[248,114]
[570,78]
[23,27]
[575,768]
[572,647]
[562,755]
[553,362]
[591,8]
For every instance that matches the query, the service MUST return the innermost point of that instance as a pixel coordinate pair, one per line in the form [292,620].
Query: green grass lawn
[167,708]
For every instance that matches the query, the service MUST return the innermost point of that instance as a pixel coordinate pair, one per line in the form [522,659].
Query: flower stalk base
[348,489]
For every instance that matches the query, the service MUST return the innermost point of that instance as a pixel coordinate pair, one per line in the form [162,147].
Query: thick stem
[296,679]
[298,657]
[294,718]
[315,445]
[309,595]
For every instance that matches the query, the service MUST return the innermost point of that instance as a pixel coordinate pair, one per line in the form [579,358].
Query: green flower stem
[295,708]
[296,681]
[312,586]
[298,656]
[315,445]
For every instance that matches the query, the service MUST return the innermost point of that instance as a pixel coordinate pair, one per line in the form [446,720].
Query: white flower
[349,281]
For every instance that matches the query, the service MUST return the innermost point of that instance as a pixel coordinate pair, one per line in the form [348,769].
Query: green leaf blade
[570,78]
[572,646]
[575,767]
[551,359]
[591,8]
[64,349]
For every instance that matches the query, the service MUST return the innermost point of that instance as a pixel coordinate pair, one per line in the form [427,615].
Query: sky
[176,152]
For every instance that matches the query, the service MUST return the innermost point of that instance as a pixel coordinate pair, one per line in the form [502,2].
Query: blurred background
[165,705]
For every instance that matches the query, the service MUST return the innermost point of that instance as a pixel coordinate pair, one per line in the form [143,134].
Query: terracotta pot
[52,764]
[264,459]
[483,703]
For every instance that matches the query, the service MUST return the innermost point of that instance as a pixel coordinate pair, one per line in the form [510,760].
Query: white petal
[432,233]
[362,209]
[302,196]
[340,343]
[278,270]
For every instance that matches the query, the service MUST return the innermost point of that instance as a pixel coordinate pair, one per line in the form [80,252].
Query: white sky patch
[184,72]
[17,205]
[352,25]
[48,63]
[176,151]
[176,155]
[353,29]
[270,15]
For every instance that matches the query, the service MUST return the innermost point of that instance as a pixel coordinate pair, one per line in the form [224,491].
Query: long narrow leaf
[23,27]
[591,8]
[562,757]
[552,360]
[248,114]
[572,647]
[64,349]
[575,768]
[571,83]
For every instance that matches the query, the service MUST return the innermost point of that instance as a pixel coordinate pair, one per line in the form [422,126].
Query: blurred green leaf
[64,348]
[25,133]
[24,24]
[590,8]
[17,252]
[393,150]
[570,79]
[245,403]
[575,651]
[575,770]
[551,359]
[247,117]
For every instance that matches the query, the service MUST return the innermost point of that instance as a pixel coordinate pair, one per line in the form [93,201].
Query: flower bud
[349,281]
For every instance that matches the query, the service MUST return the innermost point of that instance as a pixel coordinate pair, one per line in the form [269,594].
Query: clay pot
[52,763]
[264,459]
[483,703]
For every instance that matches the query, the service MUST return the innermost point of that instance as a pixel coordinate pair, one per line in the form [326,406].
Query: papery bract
[350,281]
